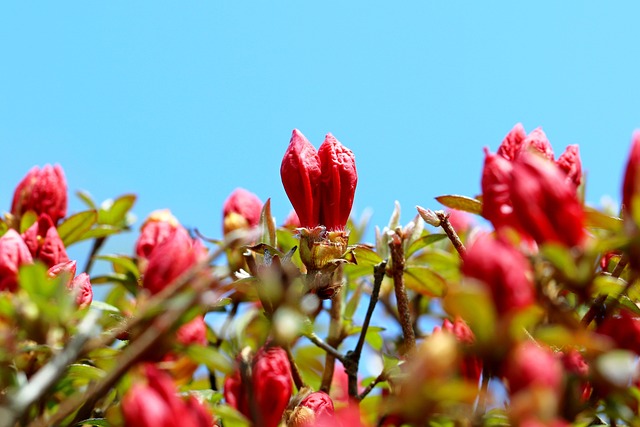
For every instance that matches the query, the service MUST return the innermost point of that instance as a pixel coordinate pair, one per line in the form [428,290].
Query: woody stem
[404,311]
[451,233]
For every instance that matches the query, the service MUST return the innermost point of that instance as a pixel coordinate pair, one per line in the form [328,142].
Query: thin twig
[380,378]
[451,233]
[95,248]
[295,372]
[334,337]
[326,347]
[397,270]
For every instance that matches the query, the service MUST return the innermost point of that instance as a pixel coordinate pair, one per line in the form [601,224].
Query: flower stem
[404,311]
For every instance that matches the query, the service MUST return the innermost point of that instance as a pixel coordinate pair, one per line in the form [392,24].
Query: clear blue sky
[180,102]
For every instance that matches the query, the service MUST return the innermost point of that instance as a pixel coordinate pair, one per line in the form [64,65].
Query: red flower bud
[270,387]
[569,162]
[496,200]
[339,180]
[503,269]
[537,140]
[241,210]
[193,332]
[174,256]
[157,404]
[624,329]
[631,184]
[300,172]
[512,143]
[44,242]
[155,230]
[320,185]
[42,191]
[544,203]
[81,286]
[68,268]
[315,410]
[530,365]
[13,253]
[471,366]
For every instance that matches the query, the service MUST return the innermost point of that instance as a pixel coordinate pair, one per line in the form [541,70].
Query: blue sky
[181,102]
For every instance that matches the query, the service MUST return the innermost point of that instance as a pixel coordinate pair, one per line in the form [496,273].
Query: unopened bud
[429,216]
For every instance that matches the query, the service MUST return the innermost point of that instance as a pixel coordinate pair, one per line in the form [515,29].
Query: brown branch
[380,378]
[295,372]
[451,233]
[404,311]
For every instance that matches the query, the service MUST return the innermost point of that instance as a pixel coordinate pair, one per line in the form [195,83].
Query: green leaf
[352,304]
[424,241]
[210,357]
[461,203]
[87,199]
[425,281]
[100,231]
[561,259]
[472,302]
[72,229]
[97,422]
[85,373]
[121,264]
[597,219]
[115,212]
[374,339]
[231,417]
[28,219]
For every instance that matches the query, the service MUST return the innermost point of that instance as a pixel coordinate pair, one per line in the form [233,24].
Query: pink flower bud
[624,329]
[44,242]
[81,286]
[569,162]
[270,387]
[156,229]
[43,191]
[241,210]
[13,253]
[315,410]
[174,256]
[537,140]
[503,269]
[530,365]
[471,366]
[157,404]
[512,143]
[544,203]
[68,268]
[339,180]
[300,172]
[631,184]
[292,220]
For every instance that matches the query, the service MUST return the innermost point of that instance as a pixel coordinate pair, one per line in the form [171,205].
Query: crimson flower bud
[529,365]
[193,332]
[320,185]
[174,256]
[631,184]
[81,286]
[44,242]
[67,268]
[339,180]
[43,191]
[270,387]
[13,253]
[470,367]
[300,172]
[157,404]
[503,269]
[156,229]
[241,210]
[512,143]
[496,200]
[624,329]
[315,410]
[569,162]
[544,203]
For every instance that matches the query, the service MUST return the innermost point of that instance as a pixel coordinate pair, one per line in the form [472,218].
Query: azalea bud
[292,220]
[300,172]
[270,387]
[470,367]
[174,256]
[43,191]
[496,200]
[44,242]
[193,332]
[315,410]
[156,229]
[13,253]
[530,365]
[624,329]
[503,269]
[631,184]
[67,268]
[241,210]
[429,216]
[544,203]
[569,162]
[537,140]
[157,404]
[81,286]
[512,143]
[339,180]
